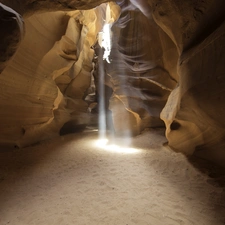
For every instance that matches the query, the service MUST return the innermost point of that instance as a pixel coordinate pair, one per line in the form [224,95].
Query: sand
[70,180]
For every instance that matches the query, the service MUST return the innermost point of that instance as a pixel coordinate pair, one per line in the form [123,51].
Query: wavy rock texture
[140,76]
[194,111]
[43,89]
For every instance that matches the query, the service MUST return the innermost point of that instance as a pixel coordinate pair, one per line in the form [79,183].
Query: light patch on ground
[70,180]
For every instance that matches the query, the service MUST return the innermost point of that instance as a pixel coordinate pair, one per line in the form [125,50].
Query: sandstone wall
[44,86]
[139,73]
[194,113]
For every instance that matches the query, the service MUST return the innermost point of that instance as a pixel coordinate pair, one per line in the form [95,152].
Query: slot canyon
[145,76]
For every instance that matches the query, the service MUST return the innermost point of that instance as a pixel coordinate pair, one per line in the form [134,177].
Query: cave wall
[194,113]
[27,97]
[12,32]
[44,86]
[27,8]
[139,74]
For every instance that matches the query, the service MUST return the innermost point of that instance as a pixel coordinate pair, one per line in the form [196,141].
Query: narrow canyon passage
[70,180]
[72,71]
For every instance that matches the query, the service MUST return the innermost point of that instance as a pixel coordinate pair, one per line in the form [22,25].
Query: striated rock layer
[140,77]
[194,113]
[43,88]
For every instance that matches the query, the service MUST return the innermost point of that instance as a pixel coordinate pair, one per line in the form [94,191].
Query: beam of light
[114,148]
[101,101]
[104,37]
[107,41]
[104,40]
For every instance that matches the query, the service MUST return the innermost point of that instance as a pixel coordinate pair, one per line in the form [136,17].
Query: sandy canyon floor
[72,181]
